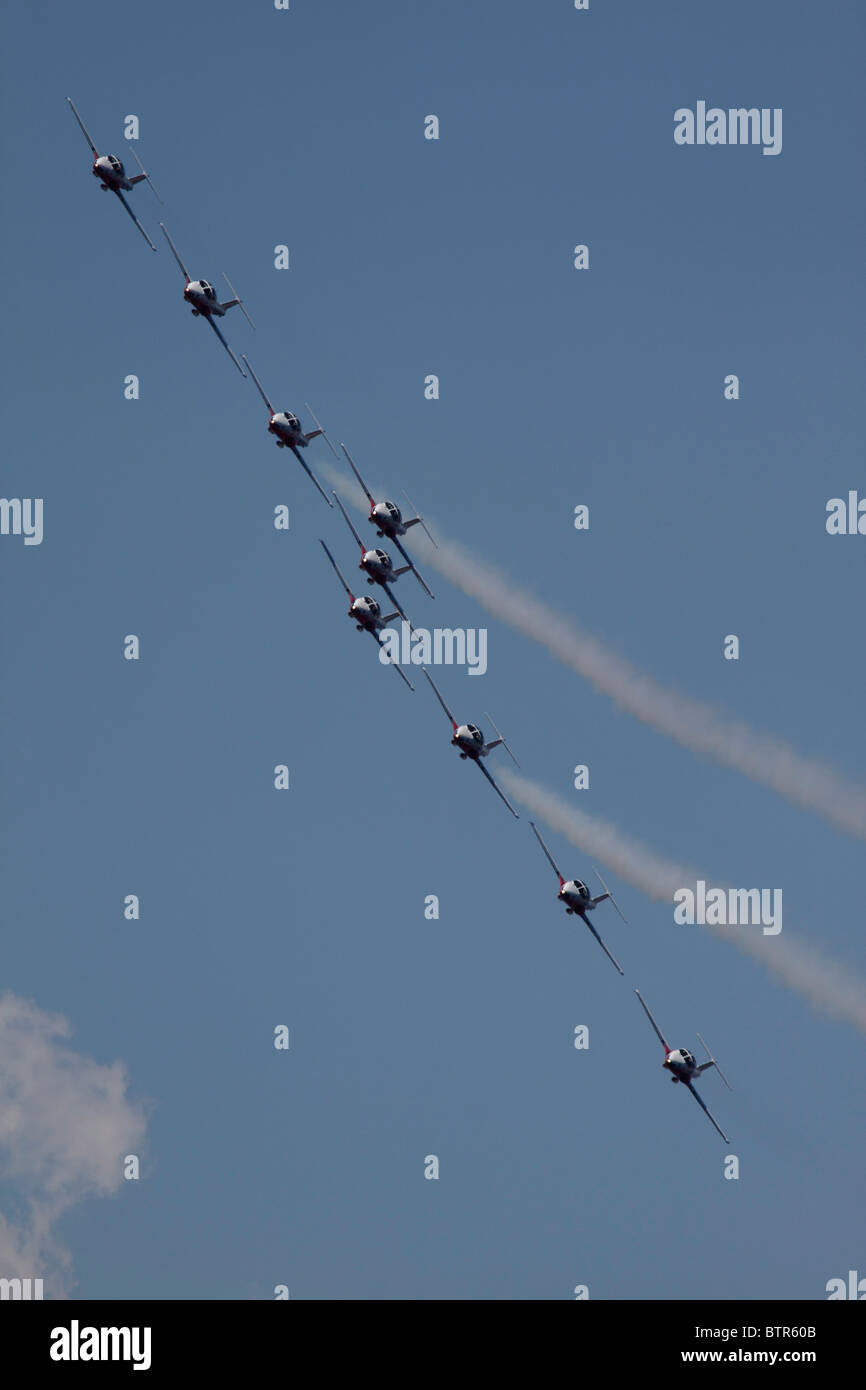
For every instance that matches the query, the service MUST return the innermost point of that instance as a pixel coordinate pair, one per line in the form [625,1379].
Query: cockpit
[292,420]
[114,162]
[207,289]
[381,557]
[474,730]
[391,509]
[581,888]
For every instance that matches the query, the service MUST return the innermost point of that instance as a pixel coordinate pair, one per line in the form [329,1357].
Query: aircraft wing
[479,764]
[387,589]
[183,268]
[397,668]
[351,463]
[349,524]
[411,565]
[656,1028]
[706,1111]
[310,474]
[547,852]
[83,127]
[134,218]
[339,571]
[439,697]
[224,343]
[602,945]
[262,393]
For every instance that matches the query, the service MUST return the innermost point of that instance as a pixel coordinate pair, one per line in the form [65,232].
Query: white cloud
[66,1123]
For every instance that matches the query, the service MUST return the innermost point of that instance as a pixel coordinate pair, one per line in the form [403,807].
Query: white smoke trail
[804,781]
[832,988]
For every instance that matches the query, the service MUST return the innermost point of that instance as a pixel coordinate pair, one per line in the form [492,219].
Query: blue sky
[453,257]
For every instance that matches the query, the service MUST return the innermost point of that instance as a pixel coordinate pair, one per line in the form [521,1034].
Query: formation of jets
[366,613]
[389,521]
[376,564]
[379,569]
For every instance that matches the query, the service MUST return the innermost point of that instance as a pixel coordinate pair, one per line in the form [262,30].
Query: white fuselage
[202,296]
[110,170]
[388,519]
[681,1064]
[470,740]
[376,564]
[574,895]
[366,612]
[287,430]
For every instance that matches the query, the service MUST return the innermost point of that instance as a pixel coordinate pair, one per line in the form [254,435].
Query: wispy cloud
[66,1123]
